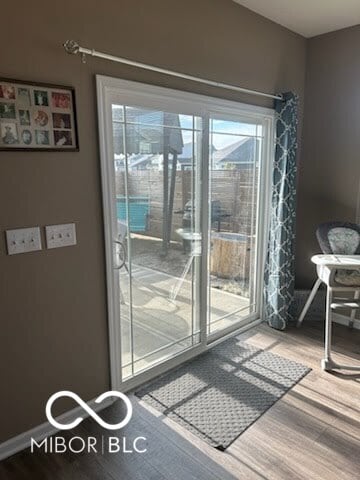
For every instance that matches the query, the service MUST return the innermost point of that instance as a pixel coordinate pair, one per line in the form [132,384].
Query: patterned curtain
[280,262]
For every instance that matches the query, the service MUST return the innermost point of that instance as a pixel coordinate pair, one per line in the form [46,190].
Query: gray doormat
[219,394]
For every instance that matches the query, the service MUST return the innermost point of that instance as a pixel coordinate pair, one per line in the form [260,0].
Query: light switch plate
[60,235]
[23,240]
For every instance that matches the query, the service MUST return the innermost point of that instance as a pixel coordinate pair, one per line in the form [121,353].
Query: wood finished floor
[313,432]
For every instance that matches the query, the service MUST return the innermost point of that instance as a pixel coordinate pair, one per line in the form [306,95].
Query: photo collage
[33,117]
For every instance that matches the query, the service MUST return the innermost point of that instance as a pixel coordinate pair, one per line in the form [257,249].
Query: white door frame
[109,89]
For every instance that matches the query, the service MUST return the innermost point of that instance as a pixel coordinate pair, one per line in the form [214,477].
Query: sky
[223,129]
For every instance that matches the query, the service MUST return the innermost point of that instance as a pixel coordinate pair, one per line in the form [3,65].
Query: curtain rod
[72,47]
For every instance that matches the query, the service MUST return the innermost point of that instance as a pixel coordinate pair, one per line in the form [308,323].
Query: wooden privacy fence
[232,188]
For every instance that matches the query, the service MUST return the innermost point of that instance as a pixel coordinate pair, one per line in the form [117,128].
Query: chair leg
[308,302]
[326,362]
[353,311]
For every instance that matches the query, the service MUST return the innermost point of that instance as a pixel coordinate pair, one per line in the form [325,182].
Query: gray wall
[330,164]
[53,303]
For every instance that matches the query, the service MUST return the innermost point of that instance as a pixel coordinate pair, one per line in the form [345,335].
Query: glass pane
[157,186]
[145,116]
[234,176]
[233,127]
[117,113]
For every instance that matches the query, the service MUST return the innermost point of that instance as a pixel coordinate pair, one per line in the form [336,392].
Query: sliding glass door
[157,169]
[236,145]
[184,180]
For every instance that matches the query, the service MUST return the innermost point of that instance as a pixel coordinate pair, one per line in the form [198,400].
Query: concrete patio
[161,326]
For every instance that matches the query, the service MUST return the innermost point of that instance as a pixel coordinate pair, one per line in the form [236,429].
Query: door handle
[120,253]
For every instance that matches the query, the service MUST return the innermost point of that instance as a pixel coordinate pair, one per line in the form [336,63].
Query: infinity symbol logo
[90,411]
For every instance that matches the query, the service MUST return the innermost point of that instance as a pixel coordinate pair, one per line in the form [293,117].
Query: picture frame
[37,117]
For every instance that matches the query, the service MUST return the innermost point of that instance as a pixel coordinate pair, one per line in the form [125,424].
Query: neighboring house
[237,155]
[145,135]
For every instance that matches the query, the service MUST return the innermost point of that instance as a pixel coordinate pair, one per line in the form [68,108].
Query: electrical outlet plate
[60,235]
[23,240]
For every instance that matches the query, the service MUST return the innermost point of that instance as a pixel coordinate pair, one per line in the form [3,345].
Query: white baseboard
[22,441]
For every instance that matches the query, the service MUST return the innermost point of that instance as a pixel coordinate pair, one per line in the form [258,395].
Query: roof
[241,151]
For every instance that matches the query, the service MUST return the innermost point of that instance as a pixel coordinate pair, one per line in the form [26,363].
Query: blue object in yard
[138,211]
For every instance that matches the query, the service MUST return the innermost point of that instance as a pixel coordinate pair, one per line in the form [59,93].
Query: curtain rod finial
[71,46]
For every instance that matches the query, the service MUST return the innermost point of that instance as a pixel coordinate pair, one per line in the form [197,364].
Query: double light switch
[24,240]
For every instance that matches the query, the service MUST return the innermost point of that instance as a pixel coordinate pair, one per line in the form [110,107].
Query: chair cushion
[349,278]
[343,240]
